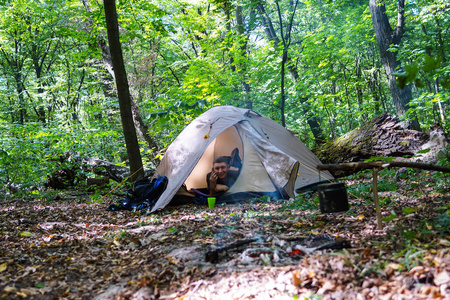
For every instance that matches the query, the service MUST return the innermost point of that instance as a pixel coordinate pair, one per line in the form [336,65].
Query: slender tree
[285,42]
[123,91]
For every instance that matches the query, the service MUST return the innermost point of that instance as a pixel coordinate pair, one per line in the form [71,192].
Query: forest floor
[70,247]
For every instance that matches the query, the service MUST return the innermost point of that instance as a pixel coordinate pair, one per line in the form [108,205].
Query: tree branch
[400,22]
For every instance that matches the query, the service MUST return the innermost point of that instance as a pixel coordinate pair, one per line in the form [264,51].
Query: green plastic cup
[211,202]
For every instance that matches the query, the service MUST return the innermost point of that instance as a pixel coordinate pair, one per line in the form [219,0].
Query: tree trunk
[134,155]
[40,112]
[386,37]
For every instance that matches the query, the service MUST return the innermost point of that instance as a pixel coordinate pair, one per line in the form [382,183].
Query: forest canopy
[317,67]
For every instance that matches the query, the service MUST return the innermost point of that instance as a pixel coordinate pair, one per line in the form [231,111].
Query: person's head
[221,166]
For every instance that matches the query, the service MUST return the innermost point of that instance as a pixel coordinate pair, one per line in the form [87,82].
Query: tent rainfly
[274,161]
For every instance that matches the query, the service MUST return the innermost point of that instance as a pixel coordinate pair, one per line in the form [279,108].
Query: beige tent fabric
[277,164]
[277,149]
[291,146]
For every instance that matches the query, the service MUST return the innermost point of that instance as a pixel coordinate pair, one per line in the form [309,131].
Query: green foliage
[185,57]
[30,152]
[361,190]
[391,217]
[123,234]
[443,222]
[379,158]
[425,53]
[262,199]
[304,201]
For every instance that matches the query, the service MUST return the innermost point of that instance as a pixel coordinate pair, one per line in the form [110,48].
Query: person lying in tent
[221,178]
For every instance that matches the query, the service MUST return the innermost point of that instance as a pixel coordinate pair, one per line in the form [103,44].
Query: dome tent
[274,161]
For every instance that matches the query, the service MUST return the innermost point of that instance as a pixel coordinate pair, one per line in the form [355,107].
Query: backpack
[144,195]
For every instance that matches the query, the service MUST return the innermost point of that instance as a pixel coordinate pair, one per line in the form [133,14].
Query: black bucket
[332,197]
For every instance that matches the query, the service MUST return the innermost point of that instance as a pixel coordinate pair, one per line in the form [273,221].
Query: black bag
[144,196]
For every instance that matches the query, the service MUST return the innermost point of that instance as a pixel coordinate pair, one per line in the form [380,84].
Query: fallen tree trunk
[384,137]
[71,176]
[105,168]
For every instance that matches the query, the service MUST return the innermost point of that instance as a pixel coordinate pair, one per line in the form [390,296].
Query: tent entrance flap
[253,176]
[222,145]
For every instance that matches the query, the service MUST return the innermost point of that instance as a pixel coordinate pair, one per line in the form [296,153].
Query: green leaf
[445,82]
[411,71]
[419,84]
[430,64]
[424,150]
[39,285]
[389,218]
[401,79]
[408,210]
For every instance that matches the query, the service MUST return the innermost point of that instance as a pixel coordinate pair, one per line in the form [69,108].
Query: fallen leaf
[441,278]
[10,289]
[296,278]
[21,294]
[3,267]
[391,268]
[327,286]
[444,242]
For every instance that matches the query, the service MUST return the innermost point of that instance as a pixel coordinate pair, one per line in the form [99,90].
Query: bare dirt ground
[71,249]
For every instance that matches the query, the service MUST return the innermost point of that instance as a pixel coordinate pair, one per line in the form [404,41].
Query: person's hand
[213,178]
[212,183]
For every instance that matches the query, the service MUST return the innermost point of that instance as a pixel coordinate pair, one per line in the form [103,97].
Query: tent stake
[375,197]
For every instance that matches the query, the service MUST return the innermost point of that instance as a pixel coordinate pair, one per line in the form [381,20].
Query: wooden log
[65,178]
[105,168]
[383,136]
[97,181]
